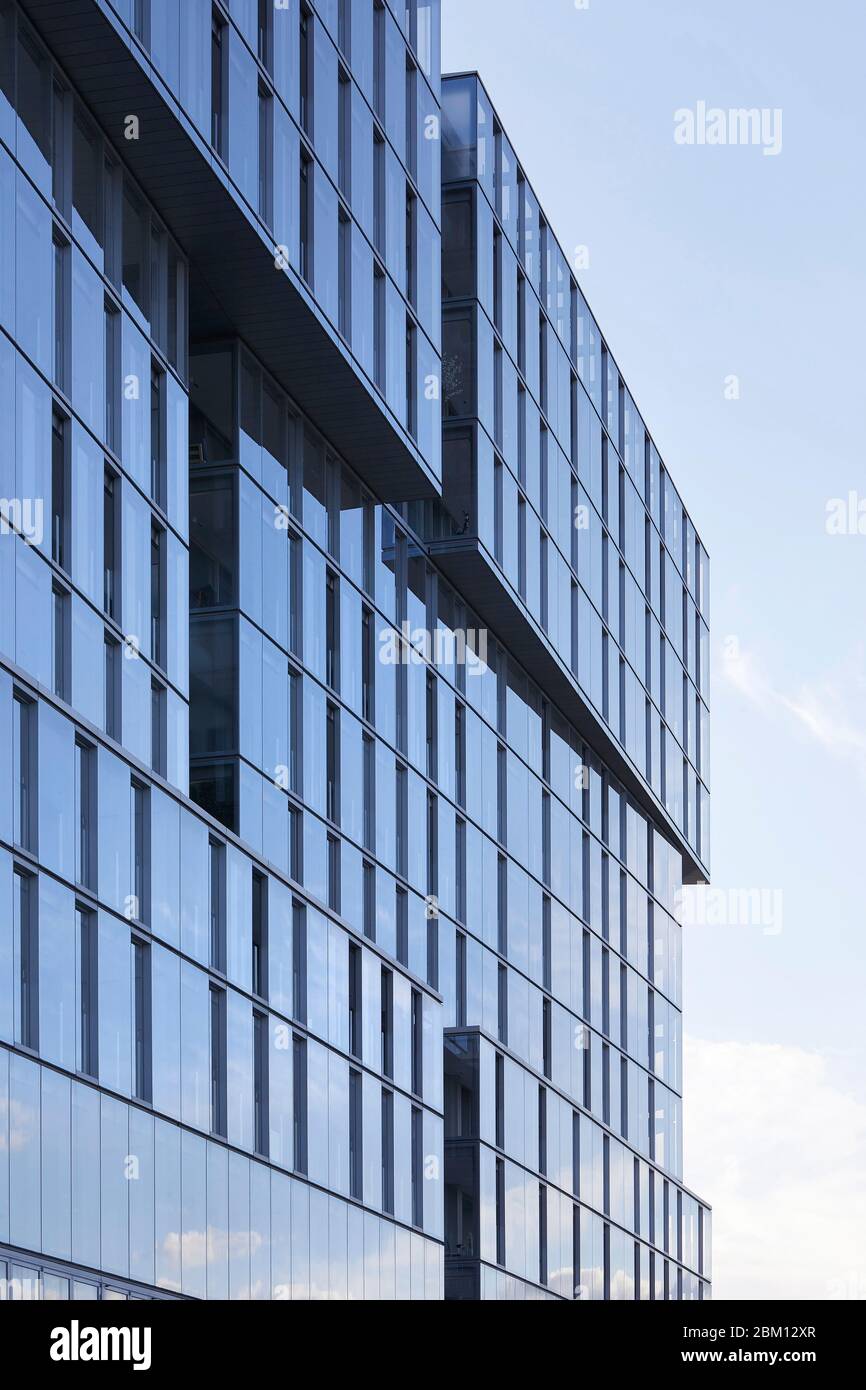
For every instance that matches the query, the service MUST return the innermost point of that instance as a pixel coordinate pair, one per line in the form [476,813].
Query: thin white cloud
[779,1151]
[829,712]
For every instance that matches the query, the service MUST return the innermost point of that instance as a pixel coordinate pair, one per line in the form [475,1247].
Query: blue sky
[707,262]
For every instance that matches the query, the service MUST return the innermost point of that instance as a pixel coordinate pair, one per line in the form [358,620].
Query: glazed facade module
[274,899]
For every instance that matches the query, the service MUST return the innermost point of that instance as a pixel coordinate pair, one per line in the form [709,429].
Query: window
[62,323]
[157,434]
[500,1211]
[411,13]
[217,904]
[344,134]
[87,176]
[61,641]
[344,26]
[368,666]
[575,1250]
[85,814]
[379,327]
[260,1082]
[412,119]
[112,376]
[460,754]
[141,1019]
[111,222]
[521,325]
[219,56]
[60,490]
[458,347]
[344,254]
[141,20]
[411,257]
[432,730]
[296,727]
[545,944]
[296,843]
[502,1004]
[458,245]
[387,1022]
[388,1152]
[542,1130]
[33,96]
[266,156]
[306,219]
[260,935]
[411,403]
[542,1235]
[356,995]
[379,222]
[176,338]
[26,950]
[417,1168]
[157,593]
[334,876]
[158,727]
[299,1107]
[306,69]
[369,791]
[499,1100]
[299,962]
[402,906]
[401,812]
[140,849]
[135,253]
[110,547]
[111,656]
[356,1137]
[460,979]
[60,107]
[623,1097]
[432,891]
[460,868]
[369,907]
[332,763]
[546,1037]
[417,1043]
[86,943]
[266,33]
[497,511]
[218,1093]
[502,905]
[379,59]
[158,296]
[432,845]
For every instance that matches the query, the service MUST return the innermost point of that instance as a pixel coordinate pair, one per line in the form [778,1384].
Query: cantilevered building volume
[353,676]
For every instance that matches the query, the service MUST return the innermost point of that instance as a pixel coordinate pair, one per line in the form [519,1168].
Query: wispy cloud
[779,1151]
[829,711]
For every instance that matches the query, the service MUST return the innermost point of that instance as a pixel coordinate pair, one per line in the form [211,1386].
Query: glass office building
[352,687]
[563,1128]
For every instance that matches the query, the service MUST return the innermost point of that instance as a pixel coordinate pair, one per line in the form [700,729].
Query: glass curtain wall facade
[563,1100]
[335,959]
[213,1084]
